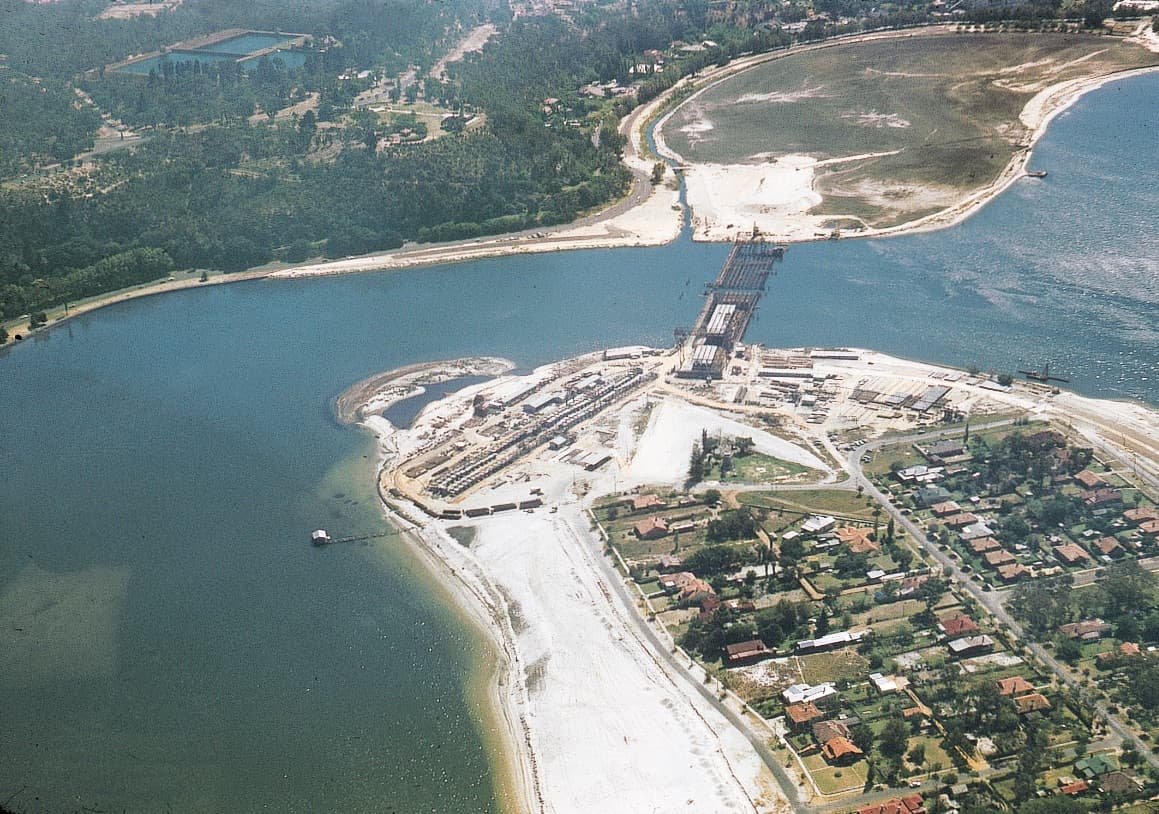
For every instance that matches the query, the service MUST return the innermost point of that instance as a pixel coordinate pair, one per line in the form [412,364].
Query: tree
[893,738]
[711,497]
[3,335]
[696,464]
[658,170]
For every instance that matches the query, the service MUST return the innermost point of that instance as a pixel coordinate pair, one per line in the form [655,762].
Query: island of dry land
[683,576]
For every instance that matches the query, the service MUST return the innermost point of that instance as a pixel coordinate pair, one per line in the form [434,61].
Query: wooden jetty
[321,537]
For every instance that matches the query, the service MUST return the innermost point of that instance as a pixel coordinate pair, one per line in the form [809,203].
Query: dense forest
[214,184]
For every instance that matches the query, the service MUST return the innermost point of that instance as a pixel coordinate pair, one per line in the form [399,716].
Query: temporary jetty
[1043,375]
[321,537]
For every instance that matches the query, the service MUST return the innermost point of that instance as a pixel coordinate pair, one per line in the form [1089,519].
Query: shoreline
[798,226]
[508,578]
[656,221]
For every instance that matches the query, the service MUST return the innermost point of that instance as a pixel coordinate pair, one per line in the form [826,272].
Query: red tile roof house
[825,731]
[1150,528]
[694,592]
[1137,515]
[983,544]
[958,625]
[642,502]
[945,509]
[749,652]
[652,529]
[1000,557]
[1108,547]
[1035,702]
[1112,657]
[1078,787]
[1071,553]
[1102,497]
[1015,685]
[1089,480]
[841,750]
[1015,571]
[857,539]
[910,804]
[960,520]
[799,715]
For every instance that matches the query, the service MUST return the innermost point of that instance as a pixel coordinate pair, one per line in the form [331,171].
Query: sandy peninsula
[600,707]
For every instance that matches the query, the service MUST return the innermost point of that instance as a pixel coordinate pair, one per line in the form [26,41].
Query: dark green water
[170,641]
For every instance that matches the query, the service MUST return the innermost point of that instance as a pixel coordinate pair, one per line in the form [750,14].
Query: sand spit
[375,394]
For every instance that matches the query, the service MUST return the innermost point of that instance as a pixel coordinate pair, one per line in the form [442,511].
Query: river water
[170,641]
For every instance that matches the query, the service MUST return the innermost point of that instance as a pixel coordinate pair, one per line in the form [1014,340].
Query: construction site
[730,304]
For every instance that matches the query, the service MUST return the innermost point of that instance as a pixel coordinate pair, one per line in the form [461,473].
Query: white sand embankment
[661,455]
[610,728]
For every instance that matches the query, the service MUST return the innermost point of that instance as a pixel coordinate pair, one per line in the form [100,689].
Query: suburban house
[669,563]
[806,693]
[981,545]
[888,684]
[1087,630]
[1089,480]
[911,804]
[642,503]
[1034,702]
[958,625]
[1113,657]
[841,750]
[970,646]
[653,528]
[1071,553]
[945,508]
[1108,547]
[747,652]
[799,715]
[1015,685]
[829,641]
[994,559]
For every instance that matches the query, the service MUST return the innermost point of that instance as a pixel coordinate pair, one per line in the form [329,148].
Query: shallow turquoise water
[163,461]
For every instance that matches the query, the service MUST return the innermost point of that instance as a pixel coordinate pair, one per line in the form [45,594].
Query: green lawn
[757,468]
[810,501]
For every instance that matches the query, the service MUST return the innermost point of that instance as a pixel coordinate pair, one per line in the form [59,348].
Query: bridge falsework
[730,303]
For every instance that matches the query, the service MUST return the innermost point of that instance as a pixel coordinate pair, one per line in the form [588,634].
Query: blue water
[248,43]
[162,462]
[233,49]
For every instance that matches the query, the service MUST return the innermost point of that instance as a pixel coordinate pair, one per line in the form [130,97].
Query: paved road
[992,601]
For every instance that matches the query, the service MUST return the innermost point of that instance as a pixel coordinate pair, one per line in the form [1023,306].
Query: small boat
[1036,173]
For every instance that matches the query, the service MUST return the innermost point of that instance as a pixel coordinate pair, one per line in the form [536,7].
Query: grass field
[835,501]
[946,107]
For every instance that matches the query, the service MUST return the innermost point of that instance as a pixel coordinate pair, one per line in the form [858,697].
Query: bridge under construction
[729,305]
